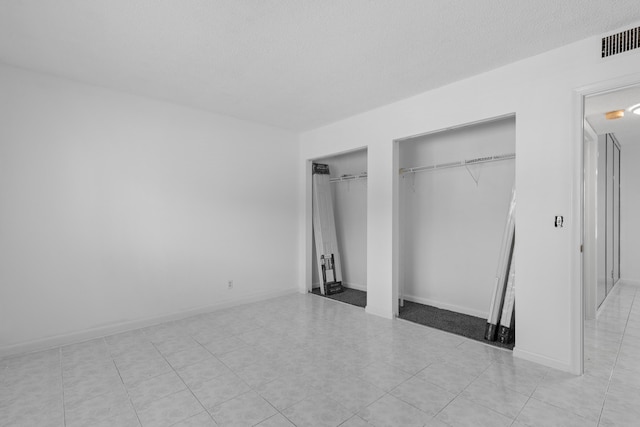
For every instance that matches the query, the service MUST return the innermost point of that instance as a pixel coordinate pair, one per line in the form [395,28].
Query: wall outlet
[230,284]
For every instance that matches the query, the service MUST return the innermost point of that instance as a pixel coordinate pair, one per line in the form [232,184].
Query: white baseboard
[544,360]
[604,303]
[446,306]
[355,286]
[89,334]
[376,312]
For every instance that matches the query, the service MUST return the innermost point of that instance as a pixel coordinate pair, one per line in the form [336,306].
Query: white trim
[576,313]
[576,287]
[467,339]
[604,303]
[396,291]
[88,334]
[458,126]
[606,300]
[543,360]
[446,306]
[349,285]
[590,218]
[377,312]
[355,286]
[611,85]
[306,284]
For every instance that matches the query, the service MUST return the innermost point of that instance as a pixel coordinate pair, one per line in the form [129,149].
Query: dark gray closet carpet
[449,321]
[350,296]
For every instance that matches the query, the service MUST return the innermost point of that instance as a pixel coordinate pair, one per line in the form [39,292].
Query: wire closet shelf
[349,177]
[468,162]
[461,163]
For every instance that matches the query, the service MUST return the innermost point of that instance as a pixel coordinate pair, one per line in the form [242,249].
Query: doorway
[611,148]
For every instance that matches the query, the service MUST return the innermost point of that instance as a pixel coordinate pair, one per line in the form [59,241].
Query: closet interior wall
[452,219]
[350,209]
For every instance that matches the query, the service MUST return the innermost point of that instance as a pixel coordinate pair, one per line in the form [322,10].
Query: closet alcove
[348,177]
[455,191]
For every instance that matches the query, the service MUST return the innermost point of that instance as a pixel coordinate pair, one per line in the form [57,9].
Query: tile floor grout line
[188,418]
[534,391]
[140,381]
[461,391]
[135,411]
[615,363]
[285,417]
[562,409]
[175,371]
[378,399]
[100,394]
[436,385]
[231,370]
[270,404]
[64,409]
[523,406]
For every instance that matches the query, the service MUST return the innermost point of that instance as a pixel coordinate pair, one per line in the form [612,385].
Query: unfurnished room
[319,213]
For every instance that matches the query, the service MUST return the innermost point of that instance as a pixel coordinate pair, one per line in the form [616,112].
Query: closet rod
[476,161]
[349,177]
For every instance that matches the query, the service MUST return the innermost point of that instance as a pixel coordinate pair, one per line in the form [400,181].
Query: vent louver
[621,42]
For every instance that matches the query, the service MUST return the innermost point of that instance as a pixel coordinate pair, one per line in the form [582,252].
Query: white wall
[451,226]
[116,209]
[630,210]
[350,210]
[543,93]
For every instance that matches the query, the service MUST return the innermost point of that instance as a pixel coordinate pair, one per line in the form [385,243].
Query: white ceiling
[627,128]
[295,64]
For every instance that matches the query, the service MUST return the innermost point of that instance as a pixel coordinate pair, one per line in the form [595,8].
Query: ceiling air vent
[621,42]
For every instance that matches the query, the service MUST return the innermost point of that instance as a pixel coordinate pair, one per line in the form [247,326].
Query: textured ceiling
[294,64]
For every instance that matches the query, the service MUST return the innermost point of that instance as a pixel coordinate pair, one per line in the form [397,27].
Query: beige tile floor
[308,361]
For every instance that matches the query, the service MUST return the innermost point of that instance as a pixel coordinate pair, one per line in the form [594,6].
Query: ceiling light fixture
[635,109]
[612,115]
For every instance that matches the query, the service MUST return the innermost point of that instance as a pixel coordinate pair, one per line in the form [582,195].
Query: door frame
[578,202]
[590,219]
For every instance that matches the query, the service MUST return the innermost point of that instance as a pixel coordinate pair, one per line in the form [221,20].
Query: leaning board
[502,273]
[505,332]
[324,225]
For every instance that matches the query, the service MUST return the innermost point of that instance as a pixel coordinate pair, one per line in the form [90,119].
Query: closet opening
[457,228]
[341,201]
